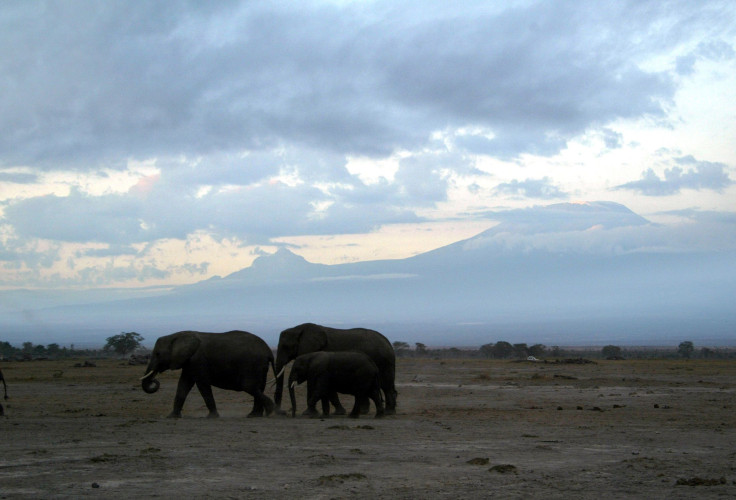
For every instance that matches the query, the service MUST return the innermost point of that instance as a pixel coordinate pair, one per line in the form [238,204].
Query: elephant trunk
[149,383]
[292,396]
[281,361]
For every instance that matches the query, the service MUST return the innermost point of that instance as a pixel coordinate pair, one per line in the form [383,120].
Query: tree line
[127,342]
[507,350]
[116,345]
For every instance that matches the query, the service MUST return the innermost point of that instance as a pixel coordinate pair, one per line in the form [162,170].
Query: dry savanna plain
[467,428]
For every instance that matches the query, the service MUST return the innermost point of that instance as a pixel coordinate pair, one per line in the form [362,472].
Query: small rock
[95,485]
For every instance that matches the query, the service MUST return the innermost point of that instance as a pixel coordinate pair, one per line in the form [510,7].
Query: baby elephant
[329,372]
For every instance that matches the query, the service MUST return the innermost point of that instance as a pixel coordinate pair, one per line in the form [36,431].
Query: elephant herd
[356,361]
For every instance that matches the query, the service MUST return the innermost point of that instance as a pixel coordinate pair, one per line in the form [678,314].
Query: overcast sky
[166,142]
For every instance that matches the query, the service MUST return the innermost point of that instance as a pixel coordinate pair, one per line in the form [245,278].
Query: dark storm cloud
[90,83]
[701,175]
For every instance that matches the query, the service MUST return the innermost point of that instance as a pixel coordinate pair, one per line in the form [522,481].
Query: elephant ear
[311,340]
[183,348]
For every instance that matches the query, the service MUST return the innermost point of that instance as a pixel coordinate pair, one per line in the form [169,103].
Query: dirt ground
[464,429]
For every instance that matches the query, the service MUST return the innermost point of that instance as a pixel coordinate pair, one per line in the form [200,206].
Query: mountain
[563,274]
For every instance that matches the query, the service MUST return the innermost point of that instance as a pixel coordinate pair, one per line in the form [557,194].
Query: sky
[162,143]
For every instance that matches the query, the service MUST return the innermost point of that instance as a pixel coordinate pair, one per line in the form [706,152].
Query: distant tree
[521,351]
[400,347]
[537,350]
[611,352]
[686,349]
[556,351]
[420,348]
[7,350]
[53,349]
[27,347]
[707,353]
[123,343]
[502,349]
[39,350]
[486,350]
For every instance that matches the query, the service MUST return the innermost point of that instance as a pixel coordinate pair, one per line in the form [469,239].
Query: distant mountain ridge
[564,273]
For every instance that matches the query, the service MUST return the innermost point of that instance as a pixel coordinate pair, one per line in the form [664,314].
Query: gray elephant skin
[330,372]
[309,337]
[236,361]
[5,386]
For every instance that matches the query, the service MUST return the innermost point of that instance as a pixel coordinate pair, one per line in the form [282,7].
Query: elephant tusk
[148,374]
[274,380]
[293,384]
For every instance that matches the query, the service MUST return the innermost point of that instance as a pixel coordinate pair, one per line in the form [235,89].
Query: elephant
[236,360]
[5,386]
[308,337]
[330,372]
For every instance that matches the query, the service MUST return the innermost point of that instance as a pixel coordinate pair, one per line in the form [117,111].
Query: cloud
[254,212]
[183,79]
[542,189]
[710,50]
[18,177]
[702,175]
[238,119]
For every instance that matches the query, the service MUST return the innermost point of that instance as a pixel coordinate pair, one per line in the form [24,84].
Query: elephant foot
[380,414]
[311,413]
[354,415]
[255,414]
[279,412]
[339,411]
[390,411]
[269,406]
[174,415]
[213,414]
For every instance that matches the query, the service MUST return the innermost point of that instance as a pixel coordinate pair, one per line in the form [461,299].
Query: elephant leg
[205,390]
[389,391]
[355,412]
[325,406]
[312,398]
[257,410]
[182,390]
[377,400]
[335,400]
[364,404]
[261,402]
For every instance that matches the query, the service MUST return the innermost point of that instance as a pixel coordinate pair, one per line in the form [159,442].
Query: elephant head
[294,342]
[169,353]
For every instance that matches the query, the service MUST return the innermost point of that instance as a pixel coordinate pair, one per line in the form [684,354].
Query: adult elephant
[309,337]
[236,360]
